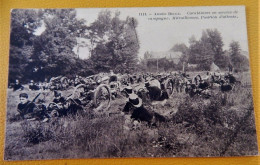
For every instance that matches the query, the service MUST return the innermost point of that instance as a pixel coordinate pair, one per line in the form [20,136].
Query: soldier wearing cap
[58,99]
[60,107]
[28,109]
[25,108]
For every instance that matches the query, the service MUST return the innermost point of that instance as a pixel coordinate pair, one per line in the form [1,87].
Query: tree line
[205,51]
[113,44]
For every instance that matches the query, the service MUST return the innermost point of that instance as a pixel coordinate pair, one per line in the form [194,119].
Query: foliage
[54,47]
[116,43]
[201,53]
[214,38]
[23,25]
[180,48]
[240,62]
[184,57]
[35,132]
[196,127]
[113,44]
[40,56]
[209,49]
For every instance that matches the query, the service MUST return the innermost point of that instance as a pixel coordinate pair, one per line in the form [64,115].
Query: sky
[161,35]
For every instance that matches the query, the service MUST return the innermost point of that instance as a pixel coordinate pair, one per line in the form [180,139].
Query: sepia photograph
[129,82]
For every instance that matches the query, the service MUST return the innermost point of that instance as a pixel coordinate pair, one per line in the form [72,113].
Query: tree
[147,55]
[115,43]
[212,40]
[215,39]
[193,51]
[192,40]
[223,61]
[142,66]
[98,31]
[239,62]
[206,57]
[54,47]
[180,48]
[184,57]
[200,52]
[24,23]
[50,53]
[234,49]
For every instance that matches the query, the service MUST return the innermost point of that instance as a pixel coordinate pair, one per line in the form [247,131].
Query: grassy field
[197,127]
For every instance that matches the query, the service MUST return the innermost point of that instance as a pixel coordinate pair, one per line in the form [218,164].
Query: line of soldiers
[60,106]
[134,104]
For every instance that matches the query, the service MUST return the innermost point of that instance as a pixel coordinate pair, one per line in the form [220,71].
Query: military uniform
[60,100]
[60,108]
[140,113]
[155,92]
[17,86]
[30,110]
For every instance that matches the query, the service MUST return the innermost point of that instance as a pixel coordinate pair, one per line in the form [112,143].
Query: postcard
[129,82]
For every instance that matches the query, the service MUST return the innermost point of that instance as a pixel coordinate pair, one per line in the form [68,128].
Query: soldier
[155,92]
[138,112]
[60,108]
[217,76]
[17,86]
[140,78]
[45,84]
[129,90]
[206,77]
[58,98]
[131,80]
[77,80]
[33,86]
[28,110]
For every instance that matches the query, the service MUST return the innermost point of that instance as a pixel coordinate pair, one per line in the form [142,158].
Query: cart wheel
[102,97]
[54,113]
[78,91]
[169,86]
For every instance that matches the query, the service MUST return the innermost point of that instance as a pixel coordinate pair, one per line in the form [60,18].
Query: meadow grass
[196,127]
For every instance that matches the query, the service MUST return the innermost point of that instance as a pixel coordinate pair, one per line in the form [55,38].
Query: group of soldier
[31,111]
[134,105]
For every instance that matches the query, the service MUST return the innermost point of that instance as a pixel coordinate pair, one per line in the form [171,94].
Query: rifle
[35,97]
[29,104]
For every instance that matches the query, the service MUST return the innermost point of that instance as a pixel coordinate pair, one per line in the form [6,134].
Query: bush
[199,127]
[199,113]
[35,132]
